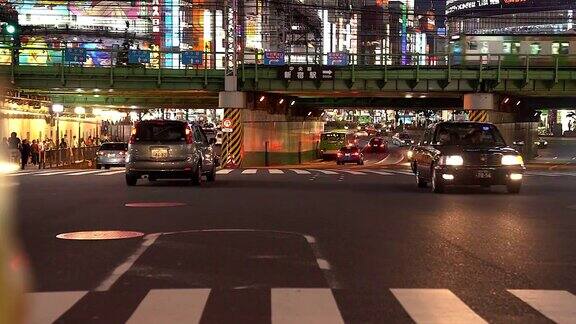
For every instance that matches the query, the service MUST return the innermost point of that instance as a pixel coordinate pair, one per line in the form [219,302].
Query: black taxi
[466,153]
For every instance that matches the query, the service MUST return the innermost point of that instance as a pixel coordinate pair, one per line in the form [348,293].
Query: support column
[232,144]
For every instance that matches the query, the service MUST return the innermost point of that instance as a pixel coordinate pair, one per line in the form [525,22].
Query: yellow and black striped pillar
[231,156]
[478,115]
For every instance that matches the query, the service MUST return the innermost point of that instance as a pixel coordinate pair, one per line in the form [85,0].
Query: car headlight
[454,160]
[409,154]
[512,160]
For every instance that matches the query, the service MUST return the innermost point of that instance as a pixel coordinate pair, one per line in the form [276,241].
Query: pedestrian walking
[35,152]
[25,151]
[14,147]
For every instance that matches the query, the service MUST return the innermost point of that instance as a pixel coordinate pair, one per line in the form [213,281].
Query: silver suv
[163,149]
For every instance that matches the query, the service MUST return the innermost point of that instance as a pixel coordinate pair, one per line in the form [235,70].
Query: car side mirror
[212,141]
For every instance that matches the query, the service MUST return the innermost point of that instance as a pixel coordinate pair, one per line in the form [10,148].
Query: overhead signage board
[338,58]
[138,56]
[274,58]
[307,72]
[75,55]
[192,57]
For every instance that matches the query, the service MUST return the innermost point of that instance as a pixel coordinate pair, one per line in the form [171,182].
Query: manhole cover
[154,204]
[99,235]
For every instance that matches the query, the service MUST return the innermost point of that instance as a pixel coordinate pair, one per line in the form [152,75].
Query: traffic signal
[9,29]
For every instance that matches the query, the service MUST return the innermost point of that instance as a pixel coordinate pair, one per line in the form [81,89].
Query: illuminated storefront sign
[156,16]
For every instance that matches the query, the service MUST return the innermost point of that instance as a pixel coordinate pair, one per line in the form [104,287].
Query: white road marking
[557,305]
[402,172]
[47,307]
[17,174]
[384,173]
[53,173]
[275,171]
[111,173]
[224,171]
[83,173]
[325,171]
[300,171]
[122,268]
[250,171]
[435,306]
[303,306]
[354,172]
[171,306]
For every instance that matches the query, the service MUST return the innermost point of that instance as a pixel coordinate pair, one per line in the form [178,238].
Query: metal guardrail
[67,156]
[112,58]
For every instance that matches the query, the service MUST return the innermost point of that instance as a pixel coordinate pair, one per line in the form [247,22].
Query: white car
[219,137]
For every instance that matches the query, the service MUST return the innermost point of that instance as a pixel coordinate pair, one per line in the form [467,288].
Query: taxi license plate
[347,154]
[484,174]
[159,153]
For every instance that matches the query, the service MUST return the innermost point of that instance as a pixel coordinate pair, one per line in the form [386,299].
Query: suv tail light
[189,137]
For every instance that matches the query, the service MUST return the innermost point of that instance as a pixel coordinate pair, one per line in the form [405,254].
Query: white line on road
[121,269]
[402,172]
[47,307]
[83,173]
[275,171]
[379,172]
[224,171]
[250,171]
[171,306]
[435,306]
[303,306]
[354,172]
[325,171]
[557,305]
[299,171]
[53,173]
[111,173]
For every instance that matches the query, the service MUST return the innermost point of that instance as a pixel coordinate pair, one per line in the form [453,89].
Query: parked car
[466,153]
[164,149]
[111,154]
[541,143]
[349,154]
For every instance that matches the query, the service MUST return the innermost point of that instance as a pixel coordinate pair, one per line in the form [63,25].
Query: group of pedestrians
[25,152]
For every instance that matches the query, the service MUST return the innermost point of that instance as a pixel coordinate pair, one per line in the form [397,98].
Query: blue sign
[77,55]
[138,56]
[274,58]
[337,58]
[192,57]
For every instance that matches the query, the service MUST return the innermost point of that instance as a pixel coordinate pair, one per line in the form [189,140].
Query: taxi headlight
[454,160]
[512,160]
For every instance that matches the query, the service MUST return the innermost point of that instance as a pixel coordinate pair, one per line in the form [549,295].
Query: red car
[349,154]
[376,145]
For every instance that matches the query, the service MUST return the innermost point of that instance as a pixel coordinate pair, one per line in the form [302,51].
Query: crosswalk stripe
[41,174]
[46,307]
[83,173]
[557,305]
[111,173]
[402,172]
[307,305]
[354,172]
[300,171]
[435,306]
[171,306]
[18,174]
[379,172]
[250,171]
[224,171]
[275,171]
[326,171]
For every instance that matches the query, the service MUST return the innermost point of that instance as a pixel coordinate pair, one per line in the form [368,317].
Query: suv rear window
[114,147]
[164,131]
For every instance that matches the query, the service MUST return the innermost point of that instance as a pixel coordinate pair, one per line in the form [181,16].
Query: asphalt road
[328,245]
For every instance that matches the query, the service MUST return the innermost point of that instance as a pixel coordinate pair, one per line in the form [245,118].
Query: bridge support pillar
[233,102]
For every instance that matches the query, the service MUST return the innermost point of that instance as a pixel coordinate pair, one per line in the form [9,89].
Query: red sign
[226,124]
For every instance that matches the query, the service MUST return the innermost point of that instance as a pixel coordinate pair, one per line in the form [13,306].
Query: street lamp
[57,109]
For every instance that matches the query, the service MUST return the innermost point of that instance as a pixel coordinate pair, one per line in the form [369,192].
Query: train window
[560,48]
[535,48]
[472,45]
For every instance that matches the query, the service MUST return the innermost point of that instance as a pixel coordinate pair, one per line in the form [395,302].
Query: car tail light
[339,153]
[100,153]
[122,153]
[189,138]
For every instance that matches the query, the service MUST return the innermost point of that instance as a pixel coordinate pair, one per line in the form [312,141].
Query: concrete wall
[36,127]
[521,132]
[278,139]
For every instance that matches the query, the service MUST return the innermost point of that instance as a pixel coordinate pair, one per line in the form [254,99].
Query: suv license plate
[484,174]
[159,153]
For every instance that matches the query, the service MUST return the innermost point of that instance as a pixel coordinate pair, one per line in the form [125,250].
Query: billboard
[496,7]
